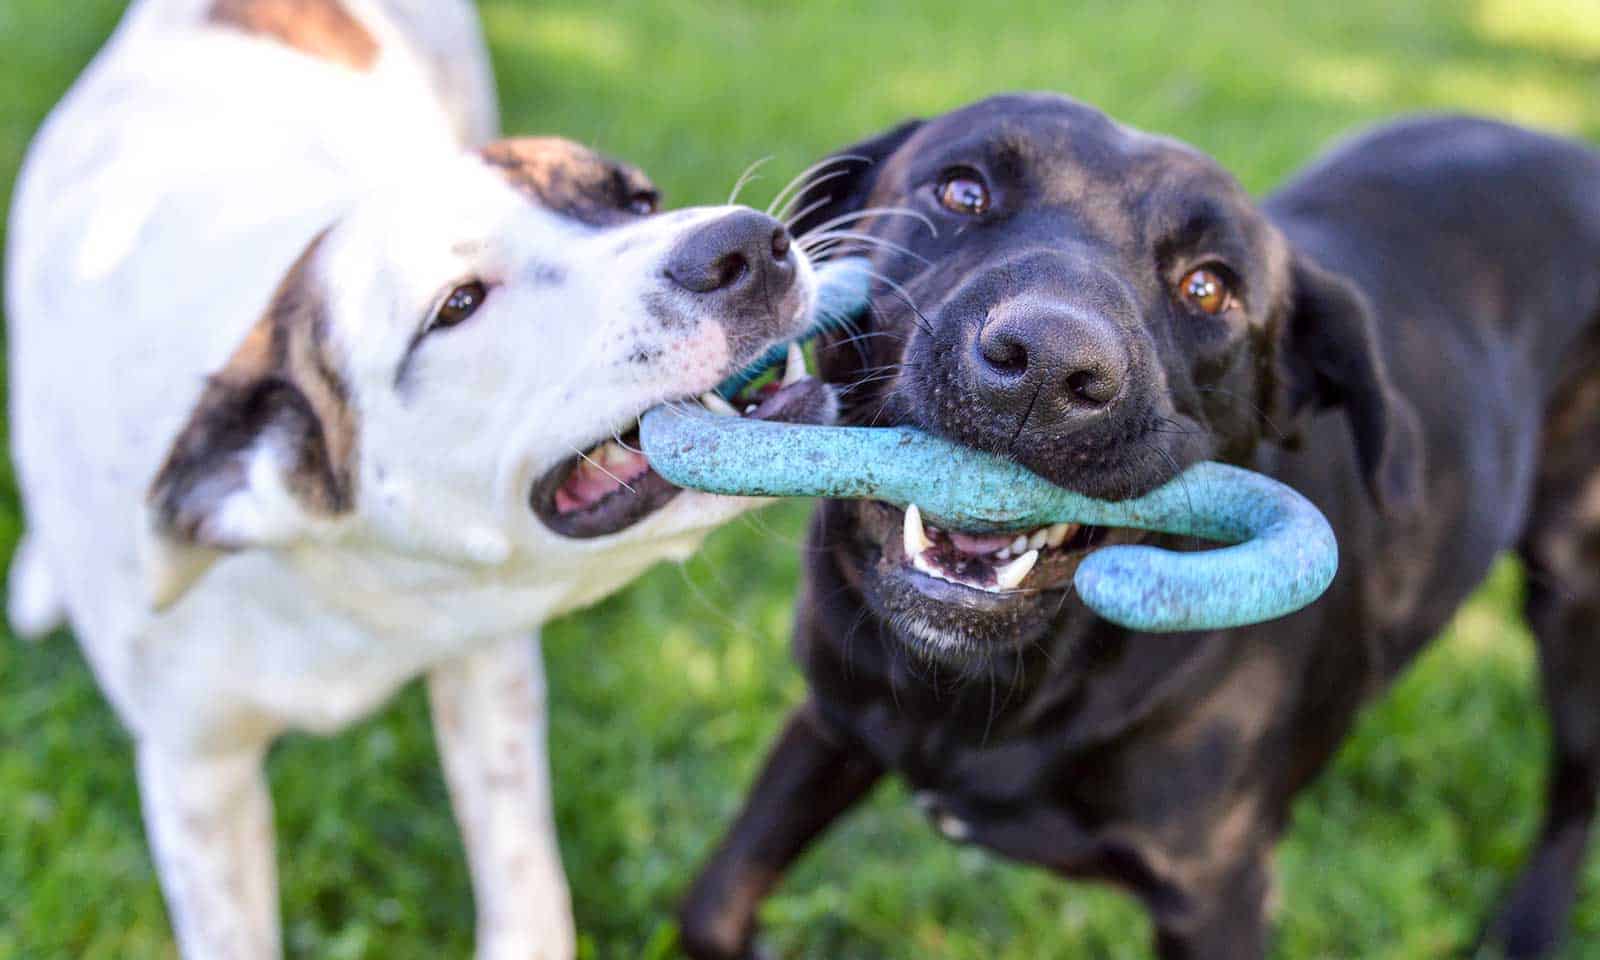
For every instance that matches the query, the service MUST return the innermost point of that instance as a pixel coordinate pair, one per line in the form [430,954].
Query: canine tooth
[795,370]
[718,406]
[1040,537]
[1013,573]
[916,540]
[1019,545]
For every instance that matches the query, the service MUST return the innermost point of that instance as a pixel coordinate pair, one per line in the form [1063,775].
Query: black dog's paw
[702,950]
[703,938]
[944,819]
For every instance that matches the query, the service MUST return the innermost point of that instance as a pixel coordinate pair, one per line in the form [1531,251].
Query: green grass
[664,697]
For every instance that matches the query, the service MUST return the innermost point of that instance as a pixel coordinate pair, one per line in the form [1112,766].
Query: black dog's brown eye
[964,192]
[462,303]
[643,202]
[1206,290]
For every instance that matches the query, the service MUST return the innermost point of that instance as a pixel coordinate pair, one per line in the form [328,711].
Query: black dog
[1409,334]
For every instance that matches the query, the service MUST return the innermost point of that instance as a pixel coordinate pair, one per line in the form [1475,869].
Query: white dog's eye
[462,303]
[644,203]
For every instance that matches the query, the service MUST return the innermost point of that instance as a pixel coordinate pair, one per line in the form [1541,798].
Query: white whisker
[788,205]
[800,179]
[866,238]
[848,218]
[620,482]
[810,208]
[746,178]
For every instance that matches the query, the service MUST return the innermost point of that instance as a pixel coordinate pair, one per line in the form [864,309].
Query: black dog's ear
[839,185]
[1329,356]
[842,183]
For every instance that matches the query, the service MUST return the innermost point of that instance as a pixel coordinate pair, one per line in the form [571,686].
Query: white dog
[310,398]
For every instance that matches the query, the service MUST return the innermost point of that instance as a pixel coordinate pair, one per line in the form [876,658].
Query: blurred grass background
[664,697]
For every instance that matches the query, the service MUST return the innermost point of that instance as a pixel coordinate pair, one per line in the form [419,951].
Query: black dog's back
[1478,245]
[1500,230]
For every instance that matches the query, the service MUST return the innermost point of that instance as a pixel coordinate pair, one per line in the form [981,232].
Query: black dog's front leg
[808,781]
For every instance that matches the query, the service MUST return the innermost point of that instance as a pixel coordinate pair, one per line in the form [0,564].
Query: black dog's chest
[970,787]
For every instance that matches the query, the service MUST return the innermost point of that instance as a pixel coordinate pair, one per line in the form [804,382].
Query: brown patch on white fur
[318,28]
[280,384]
[569,178]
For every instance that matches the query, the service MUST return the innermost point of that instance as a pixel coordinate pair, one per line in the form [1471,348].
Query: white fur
[158,209]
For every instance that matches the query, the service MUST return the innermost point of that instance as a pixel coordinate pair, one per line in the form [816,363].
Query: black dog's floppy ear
[843,182]
[1330,357]
[836,187]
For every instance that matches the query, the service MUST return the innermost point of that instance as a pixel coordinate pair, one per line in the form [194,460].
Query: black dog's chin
[933,617]
[954,632]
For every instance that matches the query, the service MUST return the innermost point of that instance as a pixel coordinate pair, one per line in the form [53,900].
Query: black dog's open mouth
[954,594]
[610,487]
[996,562]
[951,563]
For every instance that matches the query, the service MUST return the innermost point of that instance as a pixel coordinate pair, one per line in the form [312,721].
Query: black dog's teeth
[997,570]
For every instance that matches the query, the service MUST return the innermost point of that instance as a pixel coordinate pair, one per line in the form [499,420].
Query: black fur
[1414,348]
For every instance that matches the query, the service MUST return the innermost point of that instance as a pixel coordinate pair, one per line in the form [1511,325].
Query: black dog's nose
[742,254]
[1048,362]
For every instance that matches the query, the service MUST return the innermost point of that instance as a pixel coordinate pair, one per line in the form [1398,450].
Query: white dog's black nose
[742,255]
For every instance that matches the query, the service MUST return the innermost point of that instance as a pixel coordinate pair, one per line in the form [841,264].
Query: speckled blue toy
[1282,553]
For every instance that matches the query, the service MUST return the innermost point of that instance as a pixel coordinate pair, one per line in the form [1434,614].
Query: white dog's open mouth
[610,487]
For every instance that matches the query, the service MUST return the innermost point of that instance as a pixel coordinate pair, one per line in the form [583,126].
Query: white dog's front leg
[210,824]
[489,717]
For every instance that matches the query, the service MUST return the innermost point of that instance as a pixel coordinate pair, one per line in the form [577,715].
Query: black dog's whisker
[1254,407]
[904,296]
[857,385]
[865,335]
[1177,473]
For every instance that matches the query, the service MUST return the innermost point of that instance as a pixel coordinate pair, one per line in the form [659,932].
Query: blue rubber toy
[1281,553]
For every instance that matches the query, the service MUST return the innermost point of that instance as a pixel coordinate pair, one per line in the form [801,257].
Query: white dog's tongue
[604,471]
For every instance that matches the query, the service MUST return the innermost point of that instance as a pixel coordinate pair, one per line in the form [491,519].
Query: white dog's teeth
[1058,533]
[1020,544]
[1012,574]
[915,538]
[718,406]
[1004,553]
[795,370]
[1040,537]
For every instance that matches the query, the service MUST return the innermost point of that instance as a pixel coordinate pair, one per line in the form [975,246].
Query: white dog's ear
[267,455]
